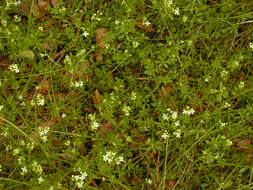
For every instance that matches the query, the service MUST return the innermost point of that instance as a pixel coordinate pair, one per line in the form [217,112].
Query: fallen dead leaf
[97,99]
[55,3]
[44,87]
[106,128]
[101,34]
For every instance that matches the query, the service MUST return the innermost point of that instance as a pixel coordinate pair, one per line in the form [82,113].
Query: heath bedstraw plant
[126,94]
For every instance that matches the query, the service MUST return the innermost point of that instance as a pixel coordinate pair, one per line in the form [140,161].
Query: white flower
[126,109]
[176,11]
[241,85]
[41,180]
[168,3]
[24,170]
[177,123]
[16,151]
[1,107]
[119,160]
[94,125]
[14,68]
[67,60]
[165,135]
[78,84]
[79,184]
[85,33]
[251,45]
[177,133]
[63,115]
[185,18]
[149,181]
[229,142]
[133,95]
[147,23]
[165,117]
[174,115]
[188,111]
[109,157]
[116,22]
[135,44]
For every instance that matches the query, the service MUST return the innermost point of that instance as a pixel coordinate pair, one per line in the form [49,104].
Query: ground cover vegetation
[126,94]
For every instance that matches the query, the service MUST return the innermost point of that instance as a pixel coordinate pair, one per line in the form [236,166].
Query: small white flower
[185,18]
[229,142]
[168,3]
[40,180]
[251,45]
[78,84]
[116,22]
[1,107]
[147,23]
[174,115]
[94,125]
[14,68]
[241,85]
[149,181]
[165,135]
[126,109]
[67,60]
[16,151]
[79,184]
[24,170]
[119,160]
[109,157]
[135,44]
[133,95]
[177,123]
[176,11]
[165,117]
[85,34]
[63,115]
[177,133]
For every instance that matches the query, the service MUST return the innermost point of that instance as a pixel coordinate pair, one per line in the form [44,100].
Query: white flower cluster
[40,180]
[39,100]
[111,156]
[251,45]
[43,131]
[173,115]
[36,168]
[67,60]
[15,3]
[77,84]
[133,95]
[149,181]
[168,3]
[188,111]
[14,68]
[81,52]
[165,135]
[135,44]
[176,11]
[93,122]
[95,16]
[79,179]
[146,22]
[126,109]
[23,170]
[241,84]
[177,133]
